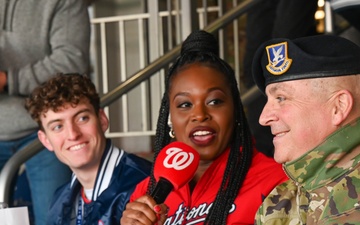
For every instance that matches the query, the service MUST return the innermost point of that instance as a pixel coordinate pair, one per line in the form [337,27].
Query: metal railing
[9,171]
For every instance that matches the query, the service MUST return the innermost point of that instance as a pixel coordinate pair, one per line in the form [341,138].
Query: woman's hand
[144,211]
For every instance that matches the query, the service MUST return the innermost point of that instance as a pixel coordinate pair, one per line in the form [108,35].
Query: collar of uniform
[328,161]
[110,159]
[109,162]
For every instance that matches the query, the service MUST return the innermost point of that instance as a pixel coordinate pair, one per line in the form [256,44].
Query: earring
[171,133]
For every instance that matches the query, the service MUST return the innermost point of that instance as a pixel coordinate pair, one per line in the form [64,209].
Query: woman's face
[202,110]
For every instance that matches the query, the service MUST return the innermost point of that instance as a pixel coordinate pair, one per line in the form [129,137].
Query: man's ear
[343,105]
[104,121]
[44,140]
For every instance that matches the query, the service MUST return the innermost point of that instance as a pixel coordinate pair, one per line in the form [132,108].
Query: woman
[202,105]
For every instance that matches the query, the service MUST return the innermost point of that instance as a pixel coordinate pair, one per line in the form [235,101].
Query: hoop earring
[171,133]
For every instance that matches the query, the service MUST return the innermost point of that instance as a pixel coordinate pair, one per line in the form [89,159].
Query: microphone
[174,167]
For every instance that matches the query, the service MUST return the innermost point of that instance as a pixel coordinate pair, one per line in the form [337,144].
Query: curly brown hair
[59,90]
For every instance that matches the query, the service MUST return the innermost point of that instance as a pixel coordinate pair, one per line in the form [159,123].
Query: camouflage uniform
[324,185]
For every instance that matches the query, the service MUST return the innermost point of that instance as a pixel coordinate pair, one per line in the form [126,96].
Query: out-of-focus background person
[38,38]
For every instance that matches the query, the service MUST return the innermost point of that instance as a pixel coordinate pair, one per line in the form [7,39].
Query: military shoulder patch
[278,59]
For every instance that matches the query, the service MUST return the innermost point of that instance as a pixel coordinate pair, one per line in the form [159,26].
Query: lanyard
[82,200]
[79,212]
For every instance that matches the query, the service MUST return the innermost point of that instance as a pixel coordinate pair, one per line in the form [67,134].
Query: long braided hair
[202,47]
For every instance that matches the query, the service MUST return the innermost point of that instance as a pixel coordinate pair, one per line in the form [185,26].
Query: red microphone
[175,166]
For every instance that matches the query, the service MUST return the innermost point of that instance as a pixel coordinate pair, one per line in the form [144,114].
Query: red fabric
[263,176]
[85,199]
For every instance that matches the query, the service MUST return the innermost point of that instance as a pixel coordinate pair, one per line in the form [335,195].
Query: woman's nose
[200,114]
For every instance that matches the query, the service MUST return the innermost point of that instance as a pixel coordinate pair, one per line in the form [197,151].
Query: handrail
[171,55]
[8,172]
[10,168]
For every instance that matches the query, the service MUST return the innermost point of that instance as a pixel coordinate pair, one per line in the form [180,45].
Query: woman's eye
[215,102]
[184,105]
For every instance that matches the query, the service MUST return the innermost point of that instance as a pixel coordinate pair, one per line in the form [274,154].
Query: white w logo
[180,159]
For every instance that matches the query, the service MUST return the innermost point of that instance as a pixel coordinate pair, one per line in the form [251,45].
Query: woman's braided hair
[202,48]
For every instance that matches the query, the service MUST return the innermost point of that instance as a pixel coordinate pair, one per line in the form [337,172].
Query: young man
[72,125]
[312,86]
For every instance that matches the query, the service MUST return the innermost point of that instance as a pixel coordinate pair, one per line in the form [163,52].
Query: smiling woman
[201,107]
[202,110]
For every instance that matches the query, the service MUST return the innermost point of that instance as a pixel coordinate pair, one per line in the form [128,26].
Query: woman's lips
[202,136]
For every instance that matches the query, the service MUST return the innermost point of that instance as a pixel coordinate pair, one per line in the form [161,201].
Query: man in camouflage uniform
[313,108]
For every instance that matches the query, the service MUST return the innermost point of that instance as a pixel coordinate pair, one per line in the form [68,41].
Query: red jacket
[263,175]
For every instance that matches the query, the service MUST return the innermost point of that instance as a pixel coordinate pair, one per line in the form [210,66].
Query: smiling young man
[313,110]
[72,125]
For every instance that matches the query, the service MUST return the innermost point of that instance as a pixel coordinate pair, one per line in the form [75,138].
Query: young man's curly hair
[60,90]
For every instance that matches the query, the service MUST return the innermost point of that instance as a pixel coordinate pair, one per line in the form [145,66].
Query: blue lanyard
[79,213]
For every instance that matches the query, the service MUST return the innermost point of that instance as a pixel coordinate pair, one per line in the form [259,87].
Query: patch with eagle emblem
[278,59]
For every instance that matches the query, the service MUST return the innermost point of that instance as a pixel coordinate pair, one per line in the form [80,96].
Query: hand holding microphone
[174,167]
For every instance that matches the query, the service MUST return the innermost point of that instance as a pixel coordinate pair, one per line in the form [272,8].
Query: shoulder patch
[278,59]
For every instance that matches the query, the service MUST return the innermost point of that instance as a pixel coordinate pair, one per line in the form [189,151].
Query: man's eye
[57,127]
[84,118]
[281,98]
